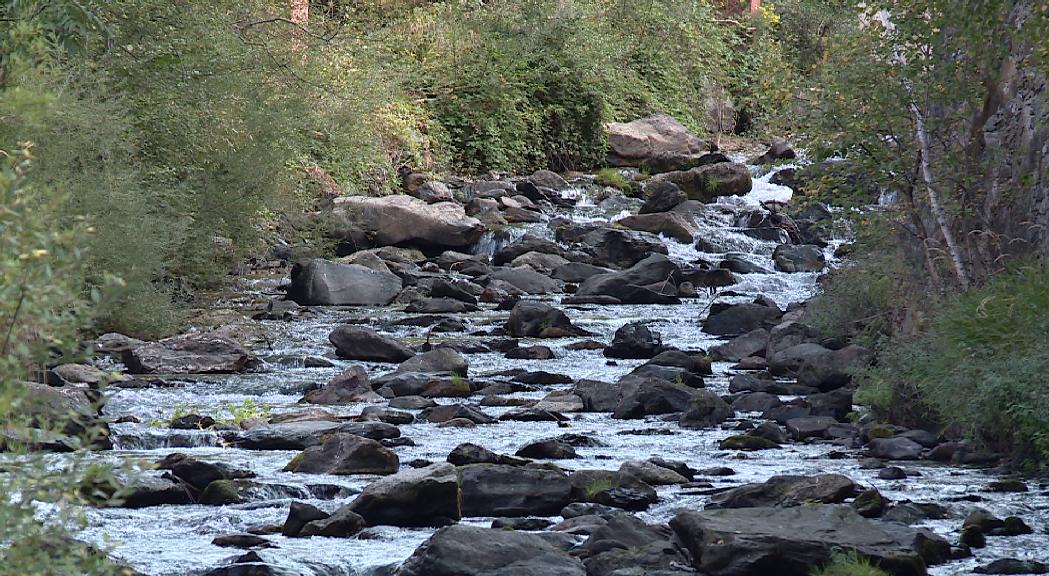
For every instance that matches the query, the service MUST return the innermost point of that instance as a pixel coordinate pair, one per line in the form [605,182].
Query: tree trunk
[933,197]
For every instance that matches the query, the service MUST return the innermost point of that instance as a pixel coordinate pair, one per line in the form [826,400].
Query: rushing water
[176,540]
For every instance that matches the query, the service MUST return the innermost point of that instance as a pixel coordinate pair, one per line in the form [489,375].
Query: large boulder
[188,354]
[436,361]
[349,387]
[612,247]
[635,285]
[705,410]
[706,183]
[833,369]
[634,340]
[661,196]
[501,490]
[631,143]
[397,220]
[795,541]
[670,224]
[752,343]
[737,319]
[344,454]
[531,319]
[472,551]
[803,258]
[640,397]
[319,282]
[786,491]
[414,497]
[362,343]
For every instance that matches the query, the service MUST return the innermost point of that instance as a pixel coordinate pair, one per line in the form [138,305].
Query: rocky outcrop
[746,542]
[403,220]
[188,354]
[319,282]
[631,143]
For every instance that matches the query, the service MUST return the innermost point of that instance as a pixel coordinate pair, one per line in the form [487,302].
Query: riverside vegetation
[156,154]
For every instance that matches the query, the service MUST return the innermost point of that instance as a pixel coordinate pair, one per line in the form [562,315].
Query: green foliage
[849,564]
[612,177]
[41,309]
[980,365]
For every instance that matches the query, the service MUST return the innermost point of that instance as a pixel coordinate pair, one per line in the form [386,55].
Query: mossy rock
[880,431]
[870,504]
[747,443]
[220,493]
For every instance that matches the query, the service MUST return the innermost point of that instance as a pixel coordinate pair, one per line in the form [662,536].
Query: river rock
[468,453]
[734,319]
[612,488]
[299,435]
[779,149]
[343,454]
[56,414]
[789,360]
[663,163]
[1012,566]
[785,491]
[803,258]
[527,280]
[745,542]
[669,224]
[634,340]
[632,286]
[398,220]
[651,474]
[640,397]
[705,410]
[611,247]
[549,449]
[624,544]
[349,387]
[898,448]
[661,196]
[530,319]
[188,354]
[810,427]
[447,412]
[500,490]
[631,143]
[831,370]
[705,183]
[319,282]
[197,473]
[752,343]
[472,551]
[362,343]
[341,524]
[426,496]
[438,360]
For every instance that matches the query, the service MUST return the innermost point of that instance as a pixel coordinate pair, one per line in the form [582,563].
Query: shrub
[849,564]
[612,177]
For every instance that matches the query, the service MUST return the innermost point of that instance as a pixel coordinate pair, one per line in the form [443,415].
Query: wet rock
[634,340]
[220,493]
[785,491]
[319,282]
[833,369]
[147,491]
[1012,566]
[529,243]
[528,280]
[241,541]
[542,377]
[439,306]
[411,403]
[661,196]
[1011,485]
[799,258]
[531,319]
[612,247]
[747,443]
[197,473]
[836,404]
[467,453]
[500,490]
[399,220]
[191,422]
[631,286]
[870,503]
[537,413]
[898,448]
[651,473]
[597,396]
[452,411]
[769,431]
[752,343]
[755,402]
[640,397]
[670,162]
[577,271]
[705,410]
[670,224]
[343,523]
[892,473]
[350,387]
[386,415]
[436,361]
[549,449]
[188,354]
[612,488]
[299,515]
[303,434]
[789,360]
[705,183]
[626,545]
[737,319]
[779,149]
[426,385]
[746,542]
[471,551]
[413,497]
[810,427]
[531,353]
[344,454]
